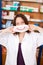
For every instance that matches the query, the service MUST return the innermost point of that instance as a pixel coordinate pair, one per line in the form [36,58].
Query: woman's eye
[20,23]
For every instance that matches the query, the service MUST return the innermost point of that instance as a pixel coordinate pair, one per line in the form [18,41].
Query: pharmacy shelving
[32,9]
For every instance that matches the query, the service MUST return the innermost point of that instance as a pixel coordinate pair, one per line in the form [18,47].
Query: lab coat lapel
[24,47]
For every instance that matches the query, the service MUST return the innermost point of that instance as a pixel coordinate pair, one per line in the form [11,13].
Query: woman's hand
[33,27]
[7,30]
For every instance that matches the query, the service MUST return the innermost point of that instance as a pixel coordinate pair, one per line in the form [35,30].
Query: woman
[29,42]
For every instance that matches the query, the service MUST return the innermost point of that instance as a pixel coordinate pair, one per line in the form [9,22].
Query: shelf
[34,20]
[23,1]
[30,1]
[10,10]
[23,11]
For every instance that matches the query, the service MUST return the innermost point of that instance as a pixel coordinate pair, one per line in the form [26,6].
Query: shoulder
[33,34]
[12,36]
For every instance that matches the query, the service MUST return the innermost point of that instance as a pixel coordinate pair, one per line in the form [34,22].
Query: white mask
[21,28]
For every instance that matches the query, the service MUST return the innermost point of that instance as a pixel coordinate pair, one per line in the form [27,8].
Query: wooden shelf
[33,15]
[22,1]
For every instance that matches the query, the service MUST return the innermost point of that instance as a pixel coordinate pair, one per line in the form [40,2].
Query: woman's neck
[21,36]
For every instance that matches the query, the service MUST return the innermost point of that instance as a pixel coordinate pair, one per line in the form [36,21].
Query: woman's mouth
[20,28]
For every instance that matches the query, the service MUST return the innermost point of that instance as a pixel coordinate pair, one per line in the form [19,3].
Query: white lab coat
[29,44]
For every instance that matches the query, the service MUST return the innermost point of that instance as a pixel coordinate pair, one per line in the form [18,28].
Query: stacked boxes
[41,9]
[28,9]
[13,7]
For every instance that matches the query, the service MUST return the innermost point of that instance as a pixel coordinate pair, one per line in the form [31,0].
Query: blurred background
[32,9]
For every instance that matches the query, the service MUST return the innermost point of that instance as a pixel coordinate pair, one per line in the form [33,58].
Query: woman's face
[19,21]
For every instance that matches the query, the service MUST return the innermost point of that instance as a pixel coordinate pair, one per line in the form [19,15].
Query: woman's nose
[20,24]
